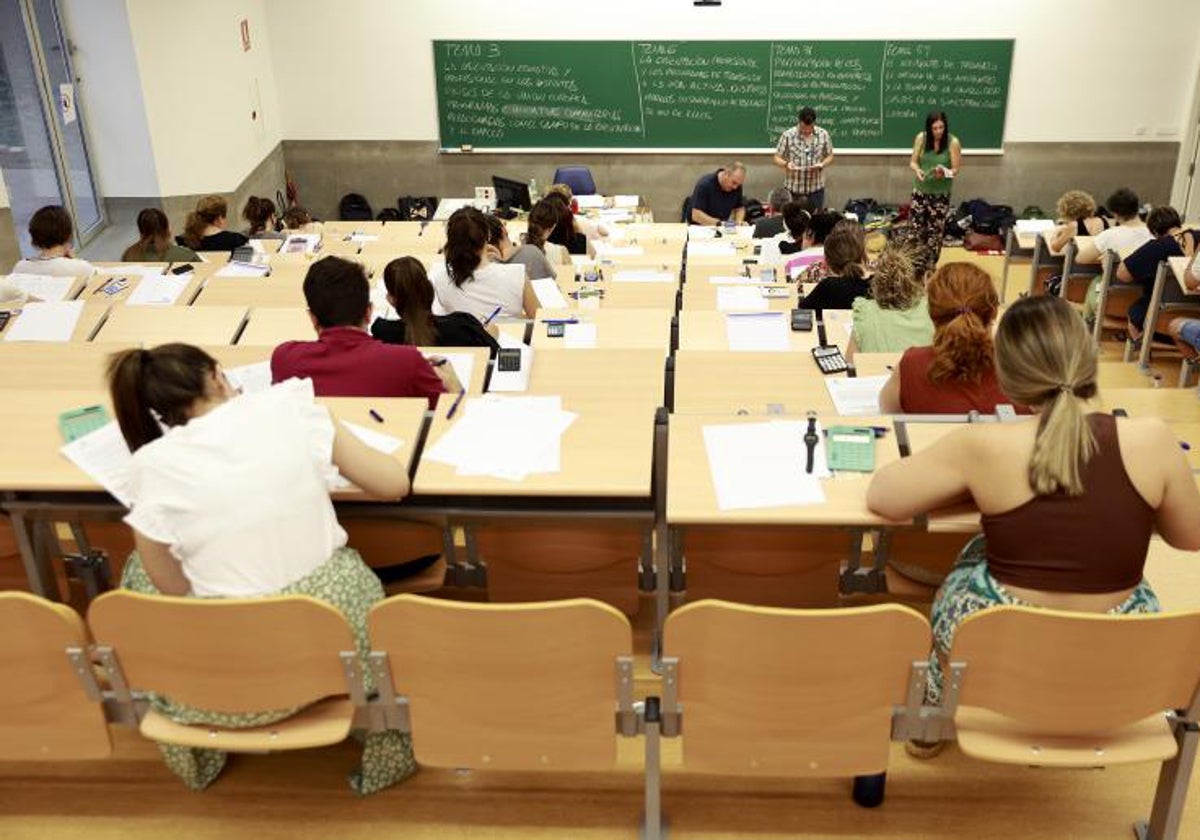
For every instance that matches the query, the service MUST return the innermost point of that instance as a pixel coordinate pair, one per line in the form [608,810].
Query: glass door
[43,151]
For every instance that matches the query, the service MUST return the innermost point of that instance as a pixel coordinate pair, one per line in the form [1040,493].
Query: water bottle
[533,190]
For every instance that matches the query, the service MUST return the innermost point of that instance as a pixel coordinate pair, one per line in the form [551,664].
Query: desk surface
[701,329]
[720,381]
[37,366]
[153,325]
[92,292]
[271,325]
[692,498]
[615,328]
[252,292]
[606,453]
[602,377]
[708,296]
[1171,404]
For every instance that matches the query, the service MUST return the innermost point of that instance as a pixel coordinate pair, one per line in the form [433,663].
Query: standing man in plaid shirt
[803,153]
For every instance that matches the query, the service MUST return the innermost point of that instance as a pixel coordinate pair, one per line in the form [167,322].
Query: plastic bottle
[533,189]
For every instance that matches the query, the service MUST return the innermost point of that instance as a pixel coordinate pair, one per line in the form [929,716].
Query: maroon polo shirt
[348,362]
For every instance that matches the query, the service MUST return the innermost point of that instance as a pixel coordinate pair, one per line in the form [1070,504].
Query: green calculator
[78,422]
[850,448]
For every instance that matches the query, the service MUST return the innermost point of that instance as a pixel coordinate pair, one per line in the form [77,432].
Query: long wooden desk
[153,325]
[720,381]
[269,326]
[615,328]
[94,293]
[602,377]
[36,366]
[252,292]
[705,330]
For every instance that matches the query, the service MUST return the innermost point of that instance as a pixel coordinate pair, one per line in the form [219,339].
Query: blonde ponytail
[208,210]
[1045,359]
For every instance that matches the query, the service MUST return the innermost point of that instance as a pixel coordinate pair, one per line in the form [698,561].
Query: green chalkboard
[715,94]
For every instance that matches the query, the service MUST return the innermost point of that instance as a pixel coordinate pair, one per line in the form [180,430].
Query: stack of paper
[243,269]
[43,287]
[548,293]
[46,321]
[757,331]
[855,396]
[740,299]
[505,437]
[104,456]
[158,290]
[762,465]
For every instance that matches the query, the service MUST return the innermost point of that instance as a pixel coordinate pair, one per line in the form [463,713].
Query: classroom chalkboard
[715,94]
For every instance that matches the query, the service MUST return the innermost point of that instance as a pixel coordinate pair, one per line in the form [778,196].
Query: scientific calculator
[830,359]
[79,422]
[850,448]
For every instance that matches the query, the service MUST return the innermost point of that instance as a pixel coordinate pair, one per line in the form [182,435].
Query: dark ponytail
[258,212]
[542,219]
[163,383]
[466,236]
[412,293]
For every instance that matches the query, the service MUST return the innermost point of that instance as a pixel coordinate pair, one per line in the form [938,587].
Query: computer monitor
[511,194]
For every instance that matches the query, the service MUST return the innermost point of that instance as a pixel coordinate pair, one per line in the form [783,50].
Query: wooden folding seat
[232,655]
[1056,689]
[50,707]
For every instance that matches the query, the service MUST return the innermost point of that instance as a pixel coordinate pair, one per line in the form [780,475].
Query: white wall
[363,69]
[200,89]
[110,94]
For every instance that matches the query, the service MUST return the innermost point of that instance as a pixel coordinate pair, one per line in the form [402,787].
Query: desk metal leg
[1151,321]
[39,570]
[662,540]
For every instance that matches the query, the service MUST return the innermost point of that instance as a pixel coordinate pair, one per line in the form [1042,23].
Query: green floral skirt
[344,582]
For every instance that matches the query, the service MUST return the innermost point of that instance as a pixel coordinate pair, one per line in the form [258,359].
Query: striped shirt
[804,152]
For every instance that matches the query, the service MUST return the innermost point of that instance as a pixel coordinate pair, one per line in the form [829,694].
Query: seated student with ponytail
[345,361]
[411,294]
[808,265]
[231,500]
[468,280]
[846,256]
[205,230]
[259,213]
[532,252]
[957,374]
[796,217]
[155,244]
[1050,489]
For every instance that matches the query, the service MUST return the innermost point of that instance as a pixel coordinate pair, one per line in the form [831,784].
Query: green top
[878,330]
[173,253]
[928,160]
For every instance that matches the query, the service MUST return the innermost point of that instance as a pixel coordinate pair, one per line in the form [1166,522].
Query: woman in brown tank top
[1050,489]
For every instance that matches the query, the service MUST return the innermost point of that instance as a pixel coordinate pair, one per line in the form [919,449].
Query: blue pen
[454,408]
[560,320]
[489,318]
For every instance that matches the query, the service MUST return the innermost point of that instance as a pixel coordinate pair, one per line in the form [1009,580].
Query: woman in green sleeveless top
[935,162]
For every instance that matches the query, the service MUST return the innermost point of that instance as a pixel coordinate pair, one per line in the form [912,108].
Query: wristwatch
[810,443]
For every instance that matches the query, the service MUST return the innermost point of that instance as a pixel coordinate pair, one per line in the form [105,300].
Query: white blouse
[55,267]
[495,284]
[241,494]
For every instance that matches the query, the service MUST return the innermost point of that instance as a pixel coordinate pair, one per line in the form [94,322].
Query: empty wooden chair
[1042,687]
[233,656]
[769,692]
[506,686]
[50,706]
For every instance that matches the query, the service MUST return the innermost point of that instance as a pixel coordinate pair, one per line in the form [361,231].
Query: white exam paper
[855,396]
[43,286]
[548,293]
[250,379]
[104,456]
[579,336]
[530,428]
[761,465]
[740,299]
[757,331]
[378,441]
[243,269]
[50,321]
[158,290]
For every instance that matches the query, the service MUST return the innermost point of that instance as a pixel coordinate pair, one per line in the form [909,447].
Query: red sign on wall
[245,35]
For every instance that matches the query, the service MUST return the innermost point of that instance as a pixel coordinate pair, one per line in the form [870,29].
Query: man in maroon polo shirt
[345,361]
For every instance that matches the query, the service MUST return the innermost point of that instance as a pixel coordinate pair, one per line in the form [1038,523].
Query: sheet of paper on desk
[696,233]
[131,270]
[530,429]
[363,237]
[625,201]
[243,269]
[579,336]
[716,248]
[740,299]
[1032,226]
[757,331]
[463,364]
[855,397]
[104,456]
[46,321]
[250,379]
[589,202]
[43,287]
[376,440]
[548,293]
[158,290]
[613,214]
[643,275]
[301,243]
[761,465]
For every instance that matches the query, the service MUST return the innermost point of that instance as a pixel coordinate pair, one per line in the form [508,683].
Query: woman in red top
[957,375]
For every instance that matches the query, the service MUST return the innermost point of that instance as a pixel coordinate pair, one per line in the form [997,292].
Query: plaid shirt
[804,151]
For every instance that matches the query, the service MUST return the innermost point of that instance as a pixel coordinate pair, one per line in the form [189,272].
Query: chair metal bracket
[670,710]
[352,671]
[395,708]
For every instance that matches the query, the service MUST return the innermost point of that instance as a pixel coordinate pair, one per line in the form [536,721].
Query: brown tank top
[1095,542]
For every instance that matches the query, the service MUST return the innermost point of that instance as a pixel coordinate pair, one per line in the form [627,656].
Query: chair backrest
[769,691]
[506,686]
[1073,673]
[234,655]
[577,177]
[45,713]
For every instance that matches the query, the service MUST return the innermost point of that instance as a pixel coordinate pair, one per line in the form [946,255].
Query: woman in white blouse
[230,498]
[467,281]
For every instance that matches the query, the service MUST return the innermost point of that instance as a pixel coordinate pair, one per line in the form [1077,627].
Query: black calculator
[802,320]
[830,359]
[555,330]
[508,359]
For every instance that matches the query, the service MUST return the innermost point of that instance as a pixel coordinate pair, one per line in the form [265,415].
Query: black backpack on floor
[417,208]
[354,207]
